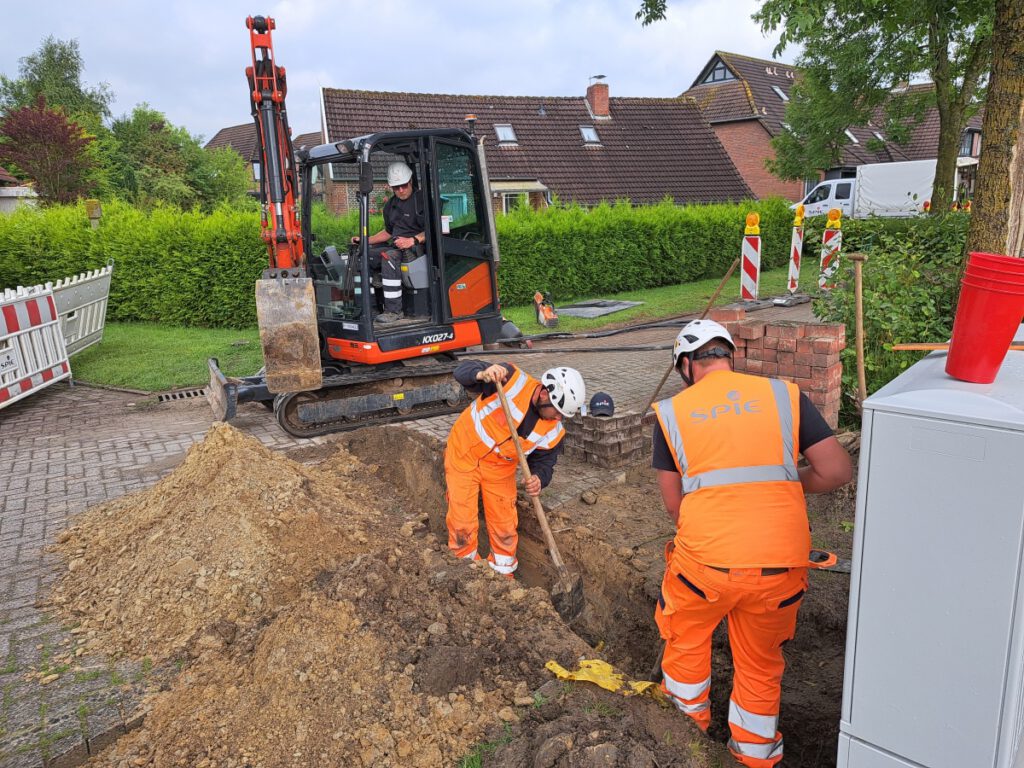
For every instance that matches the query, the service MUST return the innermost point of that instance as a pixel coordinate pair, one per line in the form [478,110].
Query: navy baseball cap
[601,405]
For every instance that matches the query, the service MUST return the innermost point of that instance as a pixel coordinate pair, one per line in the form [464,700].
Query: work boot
[386,318]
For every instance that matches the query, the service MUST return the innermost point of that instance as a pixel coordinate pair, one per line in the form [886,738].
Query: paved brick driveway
[66,448]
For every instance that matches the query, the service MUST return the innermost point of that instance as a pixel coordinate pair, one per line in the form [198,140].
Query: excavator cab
[328,365]
[449,289]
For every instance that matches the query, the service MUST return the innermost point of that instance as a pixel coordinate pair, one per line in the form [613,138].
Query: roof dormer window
[505,134]
[718,74]
[780,93]
[589,134]
[851,137]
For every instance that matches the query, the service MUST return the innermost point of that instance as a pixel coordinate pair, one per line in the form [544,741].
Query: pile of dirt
[317,621]
[224,541]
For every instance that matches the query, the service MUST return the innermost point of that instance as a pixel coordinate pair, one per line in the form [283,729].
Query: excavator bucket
[286,312]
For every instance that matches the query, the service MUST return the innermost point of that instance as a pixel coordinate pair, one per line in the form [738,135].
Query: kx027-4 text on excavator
[328,365]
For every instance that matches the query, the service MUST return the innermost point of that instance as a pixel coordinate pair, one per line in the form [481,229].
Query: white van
[879,189]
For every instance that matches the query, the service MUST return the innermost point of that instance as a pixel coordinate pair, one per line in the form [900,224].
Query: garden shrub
[911,285]
[194,268]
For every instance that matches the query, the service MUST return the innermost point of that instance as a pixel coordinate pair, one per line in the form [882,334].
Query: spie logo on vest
[732,408]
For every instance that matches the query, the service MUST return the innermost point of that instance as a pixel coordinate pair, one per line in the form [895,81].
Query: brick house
[581,149]
[242,139]
[744,100]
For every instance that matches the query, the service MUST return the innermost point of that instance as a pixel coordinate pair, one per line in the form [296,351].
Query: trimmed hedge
[574,252]
[195,269]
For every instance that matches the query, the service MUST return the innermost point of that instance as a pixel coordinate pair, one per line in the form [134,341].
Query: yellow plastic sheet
[603,674]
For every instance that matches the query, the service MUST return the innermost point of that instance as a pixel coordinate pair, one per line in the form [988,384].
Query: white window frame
[507,196]
[780,93]
[849,134]
[510,135]
[594,138]
[719,68]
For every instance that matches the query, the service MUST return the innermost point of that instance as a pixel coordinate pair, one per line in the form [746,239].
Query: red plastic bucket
[987,318]
[995,261]
[994,274]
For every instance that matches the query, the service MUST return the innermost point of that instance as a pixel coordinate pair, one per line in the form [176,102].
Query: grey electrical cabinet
[934,672]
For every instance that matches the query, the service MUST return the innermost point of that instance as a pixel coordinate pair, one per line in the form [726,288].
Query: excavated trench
[616,544]
[315,617]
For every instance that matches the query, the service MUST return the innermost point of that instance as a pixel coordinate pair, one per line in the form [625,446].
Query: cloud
[187,59]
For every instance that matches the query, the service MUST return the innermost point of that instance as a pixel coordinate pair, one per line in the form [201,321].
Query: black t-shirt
[813,429]
[404,218]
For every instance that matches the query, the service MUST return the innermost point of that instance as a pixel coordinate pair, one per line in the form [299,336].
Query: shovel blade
[567,595]
[286,311]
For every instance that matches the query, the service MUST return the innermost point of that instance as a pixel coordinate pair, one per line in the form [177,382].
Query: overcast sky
[187,58]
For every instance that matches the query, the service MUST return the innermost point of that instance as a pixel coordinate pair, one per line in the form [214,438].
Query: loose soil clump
[317,620]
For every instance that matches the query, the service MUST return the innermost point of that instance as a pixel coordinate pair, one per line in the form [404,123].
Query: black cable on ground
[573,350]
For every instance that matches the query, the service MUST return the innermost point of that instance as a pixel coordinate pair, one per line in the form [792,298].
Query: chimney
[597,99]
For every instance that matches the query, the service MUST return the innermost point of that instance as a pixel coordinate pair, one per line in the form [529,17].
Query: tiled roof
[6,178]
[649,148]
[751,96]
[242,139]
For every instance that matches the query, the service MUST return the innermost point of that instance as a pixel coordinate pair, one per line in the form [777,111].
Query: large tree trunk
[997,223]
[945,166]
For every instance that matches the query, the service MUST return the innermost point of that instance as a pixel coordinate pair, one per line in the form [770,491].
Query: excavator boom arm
[278,183]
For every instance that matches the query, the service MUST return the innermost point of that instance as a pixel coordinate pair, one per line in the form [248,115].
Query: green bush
[911,284]
[198,269]
[573,252]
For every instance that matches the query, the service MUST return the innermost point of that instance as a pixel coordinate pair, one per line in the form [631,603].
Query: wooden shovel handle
[556,558]
[937,347]
[711,303]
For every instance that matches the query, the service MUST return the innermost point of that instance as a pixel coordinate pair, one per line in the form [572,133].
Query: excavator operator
[402,238]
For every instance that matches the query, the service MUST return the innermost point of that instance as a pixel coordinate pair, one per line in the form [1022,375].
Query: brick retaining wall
[806,354]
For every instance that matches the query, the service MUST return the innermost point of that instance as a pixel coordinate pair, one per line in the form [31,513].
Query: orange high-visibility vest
[481,432]
[735,442]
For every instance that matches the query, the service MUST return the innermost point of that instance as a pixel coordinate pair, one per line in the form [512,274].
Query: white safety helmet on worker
[695,335]
[566,389]
[398,174]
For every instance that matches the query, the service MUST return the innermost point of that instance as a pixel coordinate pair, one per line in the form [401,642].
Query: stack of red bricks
[805,353]
[606,441]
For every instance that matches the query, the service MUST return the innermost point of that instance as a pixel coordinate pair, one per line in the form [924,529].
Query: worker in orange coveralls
[481,458]
[726,450]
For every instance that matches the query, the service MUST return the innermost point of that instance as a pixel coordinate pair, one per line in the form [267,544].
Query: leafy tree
[164,163]
[862,52]
[997,223]
[55,71]
[857,54]
[48,148]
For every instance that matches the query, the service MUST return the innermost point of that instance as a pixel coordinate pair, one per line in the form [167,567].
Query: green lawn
[156,358]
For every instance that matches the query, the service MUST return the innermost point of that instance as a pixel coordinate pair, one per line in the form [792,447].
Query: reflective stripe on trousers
[689,698]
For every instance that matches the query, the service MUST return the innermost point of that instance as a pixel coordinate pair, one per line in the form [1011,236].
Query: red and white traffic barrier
[795,248]
[831,245]
[750,264]
[32,351]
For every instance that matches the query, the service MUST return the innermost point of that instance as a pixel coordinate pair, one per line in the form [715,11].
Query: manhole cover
[183,394]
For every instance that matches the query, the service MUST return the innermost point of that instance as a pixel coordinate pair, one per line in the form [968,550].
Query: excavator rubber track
[352,400]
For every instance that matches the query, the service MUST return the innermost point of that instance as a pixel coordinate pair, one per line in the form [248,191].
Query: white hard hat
[398,174]
[696,334]
[566,388]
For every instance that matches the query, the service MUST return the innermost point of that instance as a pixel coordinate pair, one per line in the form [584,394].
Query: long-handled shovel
[567,591]
[711,303]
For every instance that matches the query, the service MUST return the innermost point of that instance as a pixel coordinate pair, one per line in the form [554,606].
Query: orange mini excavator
[328,366]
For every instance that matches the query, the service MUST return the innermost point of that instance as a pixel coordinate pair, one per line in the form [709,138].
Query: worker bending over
[726,450]
[481,458]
